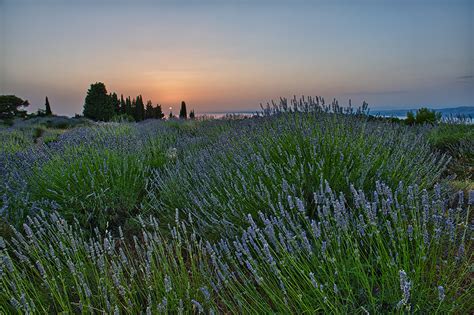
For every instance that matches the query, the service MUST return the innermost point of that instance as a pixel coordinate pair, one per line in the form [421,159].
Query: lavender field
[300,209]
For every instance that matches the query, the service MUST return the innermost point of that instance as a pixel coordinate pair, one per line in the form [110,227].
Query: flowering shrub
[381,255]
[306,209]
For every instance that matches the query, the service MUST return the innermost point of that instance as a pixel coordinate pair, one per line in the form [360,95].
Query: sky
[233,55]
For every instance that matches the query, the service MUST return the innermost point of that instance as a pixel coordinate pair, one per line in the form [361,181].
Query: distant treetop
[10,106]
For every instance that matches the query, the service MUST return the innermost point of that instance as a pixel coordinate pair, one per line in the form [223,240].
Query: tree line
[104,106]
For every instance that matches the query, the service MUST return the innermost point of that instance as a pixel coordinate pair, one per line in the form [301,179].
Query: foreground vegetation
[305,210]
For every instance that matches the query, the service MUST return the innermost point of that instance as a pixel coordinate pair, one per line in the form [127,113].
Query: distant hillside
[454,111]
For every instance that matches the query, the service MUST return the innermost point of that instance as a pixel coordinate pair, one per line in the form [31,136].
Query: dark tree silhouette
[48,111]
[192,115]
[158,112]
[139,109]
[115,103]
[122,105]
[98,105]
[9,106]
[183,114]
[128,107]
[149,110]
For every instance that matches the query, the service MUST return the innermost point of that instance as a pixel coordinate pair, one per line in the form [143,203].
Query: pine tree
[97,105]
[10,106]
[182,112]
[48,111]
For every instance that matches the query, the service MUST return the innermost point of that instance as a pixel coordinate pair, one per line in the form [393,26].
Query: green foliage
[457,140]
[410,118]
[98,105]
[423,116]
[94,186]
[10,107]
[37,133]
[95,183]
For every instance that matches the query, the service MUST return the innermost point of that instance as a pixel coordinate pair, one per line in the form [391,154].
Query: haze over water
[232,55]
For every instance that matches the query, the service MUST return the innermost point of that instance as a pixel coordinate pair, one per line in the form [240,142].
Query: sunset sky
[233,55]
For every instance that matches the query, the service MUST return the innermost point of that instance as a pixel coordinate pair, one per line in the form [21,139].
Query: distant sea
[399,113]
[218,115]
[446,112]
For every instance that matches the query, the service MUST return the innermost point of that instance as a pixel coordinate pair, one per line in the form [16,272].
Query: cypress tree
[128,107]
[115,103]
[122,105]
[139,109]
[48,111]
[182,112]
[149,110]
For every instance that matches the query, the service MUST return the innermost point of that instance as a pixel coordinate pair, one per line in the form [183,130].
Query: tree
[183,114]
[9,106]
[192,115]
[122,105]
[424,116]
[98,105]
[158,112]
[149,110]
[48,111]
[410,120]
[139,109]
[115,103]
[128,107]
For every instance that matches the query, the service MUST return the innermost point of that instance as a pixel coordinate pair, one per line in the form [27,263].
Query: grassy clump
[99,178]
[457,140]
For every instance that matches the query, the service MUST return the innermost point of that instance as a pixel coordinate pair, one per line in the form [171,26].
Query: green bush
[423,116]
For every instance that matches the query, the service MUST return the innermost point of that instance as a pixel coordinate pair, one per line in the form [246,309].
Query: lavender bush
[248,167]
[379,256]
[307,208]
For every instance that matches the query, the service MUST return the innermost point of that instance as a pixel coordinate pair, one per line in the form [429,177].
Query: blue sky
[232,55]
